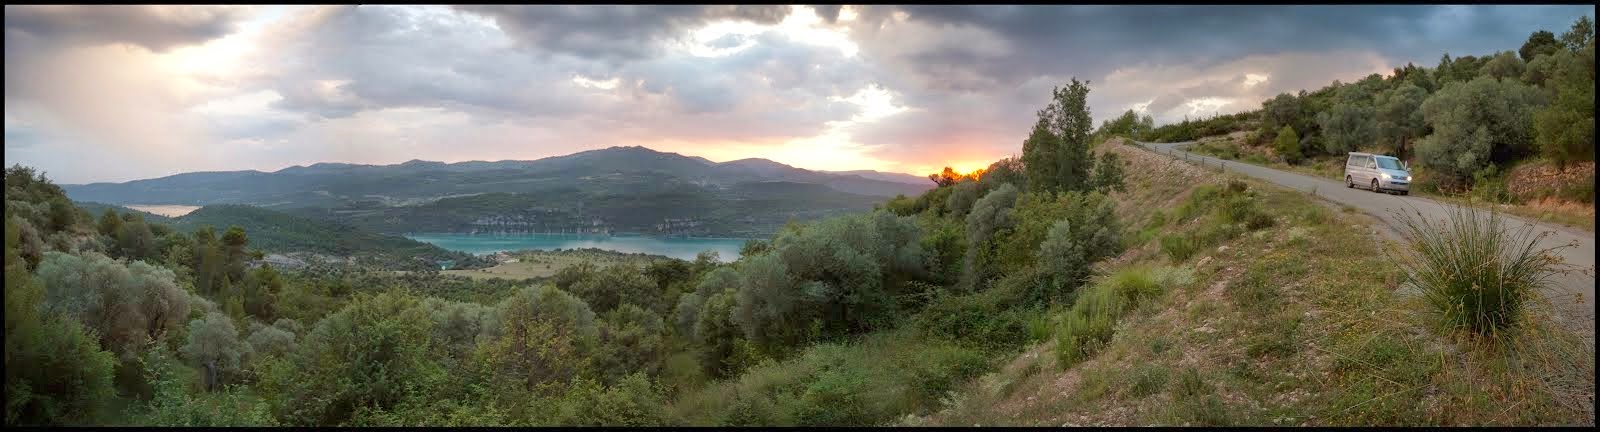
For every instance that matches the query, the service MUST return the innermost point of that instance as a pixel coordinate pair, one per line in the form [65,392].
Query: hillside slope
[1298,322]
[277,232]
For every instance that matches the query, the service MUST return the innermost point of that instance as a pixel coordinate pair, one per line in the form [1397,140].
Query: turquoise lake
[680,248]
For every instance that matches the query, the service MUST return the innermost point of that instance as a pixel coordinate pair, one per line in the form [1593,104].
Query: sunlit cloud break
[114,93]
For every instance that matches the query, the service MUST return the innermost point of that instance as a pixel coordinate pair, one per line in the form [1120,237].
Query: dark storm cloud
[1093,40]
[157,28]
[341,61]
[612,33]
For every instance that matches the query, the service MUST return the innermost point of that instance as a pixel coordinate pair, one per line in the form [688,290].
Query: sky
[116,93]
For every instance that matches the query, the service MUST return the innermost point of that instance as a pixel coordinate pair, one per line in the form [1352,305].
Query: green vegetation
[1475,272]
[902,314]
[1464,123]
[274,231]
[1274,329]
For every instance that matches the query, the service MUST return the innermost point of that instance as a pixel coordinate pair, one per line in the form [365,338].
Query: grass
[1301,324]
[868,382]
[1474,271]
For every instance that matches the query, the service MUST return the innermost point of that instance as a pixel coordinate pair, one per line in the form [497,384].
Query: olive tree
[1475,123]
[214,346]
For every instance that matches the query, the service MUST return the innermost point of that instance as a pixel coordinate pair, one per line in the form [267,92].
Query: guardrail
[1172,152]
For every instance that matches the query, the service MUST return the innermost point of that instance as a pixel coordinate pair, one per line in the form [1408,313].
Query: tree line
[178,327]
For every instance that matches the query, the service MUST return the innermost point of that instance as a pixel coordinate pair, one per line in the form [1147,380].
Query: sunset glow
[156,90]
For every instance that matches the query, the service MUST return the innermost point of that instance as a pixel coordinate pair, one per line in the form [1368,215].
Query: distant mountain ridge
[331,183]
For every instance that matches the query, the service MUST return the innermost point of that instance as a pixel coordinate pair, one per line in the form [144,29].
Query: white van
[1377,172]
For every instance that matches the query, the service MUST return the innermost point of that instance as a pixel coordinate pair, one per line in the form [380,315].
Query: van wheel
[1375,186]
[1349,183]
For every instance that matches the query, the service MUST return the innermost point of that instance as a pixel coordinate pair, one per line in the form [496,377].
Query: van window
[1355,160]
[1388,163]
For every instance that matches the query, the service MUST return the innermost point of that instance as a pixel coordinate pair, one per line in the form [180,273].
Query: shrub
[1147,379]
[1087,327]
[55,371]
[987,320]
[1088,233]
[1489,185]
[1474,271]
[1179,246]
[1288,145]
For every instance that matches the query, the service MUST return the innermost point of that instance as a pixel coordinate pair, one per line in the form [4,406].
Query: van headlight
[1385,175]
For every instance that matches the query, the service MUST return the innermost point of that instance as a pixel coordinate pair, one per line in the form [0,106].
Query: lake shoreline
[684,248]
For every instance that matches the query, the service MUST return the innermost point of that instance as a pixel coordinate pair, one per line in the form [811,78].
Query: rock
[1221,249]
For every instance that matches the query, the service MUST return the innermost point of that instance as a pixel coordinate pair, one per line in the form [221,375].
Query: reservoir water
[680,248]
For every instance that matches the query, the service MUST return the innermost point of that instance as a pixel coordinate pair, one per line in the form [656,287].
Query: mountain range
[617,189]
[414,182]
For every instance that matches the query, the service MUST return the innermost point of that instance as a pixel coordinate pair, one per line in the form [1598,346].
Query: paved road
[1571,293]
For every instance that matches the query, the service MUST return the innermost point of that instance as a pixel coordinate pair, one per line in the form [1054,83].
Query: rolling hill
[612,170]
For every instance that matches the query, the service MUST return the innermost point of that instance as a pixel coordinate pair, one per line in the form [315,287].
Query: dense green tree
[1580,35]
[1349,123]
[1475,123]
[606,289]
[1504,65]
[110,222]
[215,348]
[135,241]
[961,198]
[632,339]
[260,292]
[1088,233]
[669,271]
[56,373]
[1287,144]
[373,353]
[1056,154]
[1400,117]
[1008,170]
[771,308]
[687,314]
[270,341]
[991,215]
[1108,173]
[126,306]
[1564,130]
[1284,110]
[540,339]
[1540,42]
[234,242]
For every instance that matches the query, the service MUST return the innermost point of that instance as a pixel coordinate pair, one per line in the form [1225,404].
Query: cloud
[613,33]
[123,92]
[156,28]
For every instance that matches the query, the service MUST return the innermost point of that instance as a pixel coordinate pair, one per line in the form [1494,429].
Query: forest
[1465,122]
[115,320]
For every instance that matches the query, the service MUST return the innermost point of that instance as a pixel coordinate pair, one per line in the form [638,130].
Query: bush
[1087,327]
[56,374]
[1489,185]
[632,402]
[1474,271]
[1179,246]
[1088,233]
[987,320]
[1147,379]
